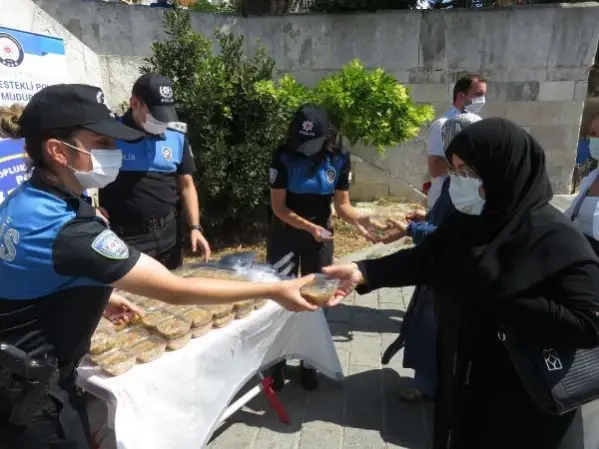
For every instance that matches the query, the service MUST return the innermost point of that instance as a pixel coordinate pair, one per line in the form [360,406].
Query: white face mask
[105,168]
[465,194]
[594,147]
[154,126]
[476,105]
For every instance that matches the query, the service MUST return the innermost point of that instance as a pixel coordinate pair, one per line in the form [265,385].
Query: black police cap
[157,92]
[64,106]
[309,127]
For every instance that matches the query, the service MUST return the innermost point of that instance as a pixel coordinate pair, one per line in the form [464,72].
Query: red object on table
[274,401]
[426,187]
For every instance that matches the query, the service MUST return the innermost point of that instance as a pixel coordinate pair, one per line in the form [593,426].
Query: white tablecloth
[176,401]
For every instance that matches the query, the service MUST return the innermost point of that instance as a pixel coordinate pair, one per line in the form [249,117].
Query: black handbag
[557,380]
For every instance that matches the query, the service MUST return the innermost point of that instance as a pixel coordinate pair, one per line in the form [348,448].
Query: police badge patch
[331,174]
[167,153]
[109,245]
[272,175]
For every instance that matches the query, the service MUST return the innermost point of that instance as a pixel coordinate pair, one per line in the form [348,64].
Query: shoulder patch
[273,173]
[178,126]
[109,245]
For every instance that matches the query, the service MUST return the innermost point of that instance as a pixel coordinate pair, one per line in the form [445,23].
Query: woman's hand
[416,215]
[287,294]
[350,277]
[321,234]
[120,310]
[396,231]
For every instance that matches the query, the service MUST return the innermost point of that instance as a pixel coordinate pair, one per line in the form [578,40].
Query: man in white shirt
[468,96]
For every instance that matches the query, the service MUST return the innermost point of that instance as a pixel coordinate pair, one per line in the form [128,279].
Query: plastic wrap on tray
[243,309]
[198,316]
[178,343]
[220,310]
[117,362]
[151,304]
[217,323]
[103,340]
[321,290]
[148,349]
[152,317]
[259,303]
[215,273]
[173,327]
[127,337]
[201,330]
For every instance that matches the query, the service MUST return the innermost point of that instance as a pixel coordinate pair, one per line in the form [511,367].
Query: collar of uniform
[39,183]
[127,119]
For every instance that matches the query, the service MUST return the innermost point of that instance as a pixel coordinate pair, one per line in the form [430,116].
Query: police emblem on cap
[11,51]
[307,128]
[109,245]
[166,92]
[100,97]
[330,174]
[272,175]
[167,153]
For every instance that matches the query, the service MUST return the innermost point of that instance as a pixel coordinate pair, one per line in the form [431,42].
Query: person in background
[584,210]
[59,263]
[308,173]
[418,330]
[504,259]
[468,96]
[157,172]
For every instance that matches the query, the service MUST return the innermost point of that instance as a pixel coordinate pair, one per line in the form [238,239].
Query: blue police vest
[304,178]
[152,153]
[30,220]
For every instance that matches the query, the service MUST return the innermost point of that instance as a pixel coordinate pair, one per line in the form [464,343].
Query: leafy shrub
[232,127]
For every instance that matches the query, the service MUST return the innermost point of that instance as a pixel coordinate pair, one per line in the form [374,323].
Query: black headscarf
[519,240]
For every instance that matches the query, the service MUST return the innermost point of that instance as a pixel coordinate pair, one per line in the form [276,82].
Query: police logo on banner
[11,51]
[331,174]
[167,153]
[109,245]
[272,175]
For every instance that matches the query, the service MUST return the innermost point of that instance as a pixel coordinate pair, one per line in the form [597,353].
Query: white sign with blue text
[28,62]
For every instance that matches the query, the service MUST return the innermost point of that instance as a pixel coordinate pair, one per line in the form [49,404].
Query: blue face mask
[594,147]
[465,194]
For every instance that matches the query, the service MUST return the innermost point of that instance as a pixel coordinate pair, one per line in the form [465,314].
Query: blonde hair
[9,120]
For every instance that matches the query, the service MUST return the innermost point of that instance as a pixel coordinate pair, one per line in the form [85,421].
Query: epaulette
[178,126]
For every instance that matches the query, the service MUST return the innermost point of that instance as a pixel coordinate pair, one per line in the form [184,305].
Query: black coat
[481,403]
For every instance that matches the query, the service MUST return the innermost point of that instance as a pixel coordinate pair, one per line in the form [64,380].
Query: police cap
[309,128]
[65,106]
[156,91]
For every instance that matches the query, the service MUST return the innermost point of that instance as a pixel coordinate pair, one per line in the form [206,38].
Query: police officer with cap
[59,263]
[309,172]
[142,204]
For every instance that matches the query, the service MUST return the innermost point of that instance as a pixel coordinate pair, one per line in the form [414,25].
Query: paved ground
[364,411]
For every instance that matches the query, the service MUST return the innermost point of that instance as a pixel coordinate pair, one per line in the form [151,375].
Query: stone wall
[536,60]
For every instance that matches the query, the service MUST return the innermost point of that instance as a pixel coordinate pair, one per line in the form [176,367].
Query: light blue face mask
[594,147]
[465,194]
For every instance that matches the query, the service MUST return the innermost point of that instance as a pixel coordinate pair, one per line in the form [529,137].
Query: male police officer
[156,174]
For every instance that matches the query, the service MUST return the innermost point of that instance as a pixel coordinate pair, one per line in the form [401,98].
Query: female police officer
[58,262]
[309,171]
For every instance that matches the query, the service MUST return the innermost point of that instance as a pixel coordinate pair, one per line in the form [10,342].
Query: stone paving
[364,411]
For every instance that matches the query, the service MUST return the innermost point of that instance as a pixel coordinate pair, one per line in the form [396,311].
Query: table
[178,400]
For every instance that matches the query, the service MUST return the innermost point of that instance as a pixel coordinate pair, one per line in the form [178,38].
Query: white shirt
[435,148]
[587,220]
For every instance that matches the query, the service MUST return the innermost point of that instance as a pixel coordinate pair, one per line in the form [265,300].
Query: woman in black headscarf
[506,258]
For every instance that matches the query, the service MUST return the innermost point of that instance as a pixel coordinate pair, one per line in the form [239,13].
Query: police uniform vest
[146,187]
[56,260]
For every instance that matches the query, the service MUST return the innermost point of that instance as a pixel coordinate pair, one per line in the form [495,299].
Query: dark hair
[34,146]
[465,82]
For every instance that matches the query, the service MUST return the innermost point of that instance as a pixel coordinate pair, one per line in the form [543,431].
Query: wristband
[196,227]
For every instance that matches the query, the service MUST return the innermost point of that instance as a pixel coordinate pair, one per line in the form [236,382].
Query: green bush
[237,115]
[232,127]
